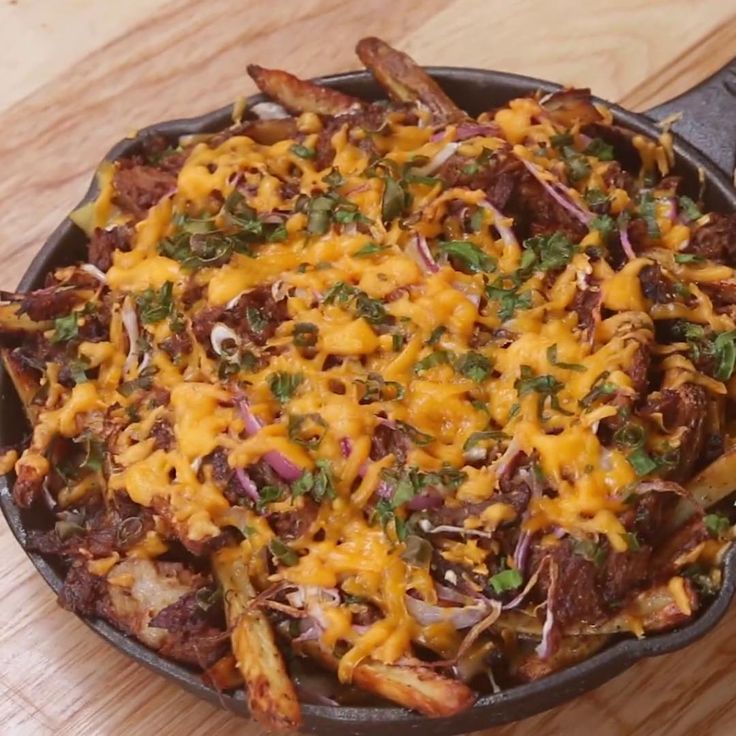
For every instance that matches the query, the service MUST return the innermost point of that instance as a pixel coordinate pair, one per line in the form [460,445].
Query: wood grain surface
[77,75]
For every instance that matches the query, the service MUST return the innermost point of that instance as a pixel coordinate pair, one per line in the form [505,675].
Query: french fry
[655,609]
[271,695]
[26,384]
[298,95]
[405,81]
[268,132]
[569,106]
[16,324]
[572,649]
[716,481]
[413,686]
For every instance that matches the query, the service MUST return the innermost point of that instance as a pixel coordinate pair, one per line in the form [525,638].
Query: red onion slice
[130,322]
[623,230]
[426,259]
[250,488]
[437,160]
[460,617]
[92,270]
[559,193]
[546,647]
[506,233]
[280,463]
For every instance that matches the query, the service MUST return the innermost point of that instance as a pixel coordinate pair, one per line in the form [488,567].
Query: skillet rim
[518,702]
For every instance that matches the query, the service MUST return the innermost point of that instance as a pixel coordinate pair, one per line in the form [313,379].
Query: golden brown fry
[716,481]
[405,81]
[569,106]
[14,323]
[654,609]
[572,650]
[268,132]
[271,695]
[25,382]
[298,95]
[414,686]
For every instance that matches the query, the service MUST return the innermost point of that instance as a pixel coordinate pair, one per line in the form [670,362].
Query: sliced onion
[92,270]
[450,594]
[623,231]
[280,463]
[506,233]
[559,193]
[346,446]
[246,482]
[269,111]
[234,300]
[437,160]
[221,333]
[130,322]
[503,462]
[521,551]
[426,259]
[463,617]
[384,490]
[471,130]
[546,646]
[449,529]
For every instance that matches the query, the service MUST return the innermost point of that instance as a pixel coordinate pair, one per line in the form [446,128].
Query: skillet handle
[709,117]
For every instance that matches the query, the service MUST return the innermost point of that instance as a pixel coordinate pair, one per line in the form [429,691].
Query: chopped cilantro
[65,328]
[506,580]
[474,366]
[642,462]
[284,384]
[716,524]
[282,552]
[369,249]
[600,149]
[689,209]
[552,358]
[302,151]
[473,258]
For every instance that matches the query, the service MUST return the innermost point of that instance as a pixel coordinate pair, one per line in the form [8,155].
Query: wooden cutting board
[77,75]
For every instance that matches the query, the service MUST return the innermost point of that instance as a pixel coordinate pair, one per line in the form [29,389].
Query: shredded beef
[587,305]
[257,314]
[139,187]
[102,531]
[293,524]
[389,440]
[716,239]
[178,344]
[104,243]
[686,406]
[163,434]
[82,592]
[48,303]
[656,285]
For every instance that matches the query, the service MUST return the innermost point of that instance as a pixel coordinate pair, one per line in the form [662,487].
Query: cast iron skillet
[706,140]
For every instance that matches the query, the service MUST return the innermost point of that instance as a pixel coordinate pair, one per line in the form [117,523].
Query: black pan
[706,141]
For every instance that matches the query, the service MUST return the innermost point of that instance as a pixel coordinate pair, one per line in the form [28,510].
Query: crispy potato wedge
[405,81]
[570,106]
[716,481]
[15,324]
[572,649]
[271,694]
[298,95]
[25,382]
[414,686]
[654,610]
[268,132]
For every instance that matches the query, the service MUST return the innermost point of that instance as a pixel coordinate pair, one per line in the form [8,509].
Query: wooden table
[78,75]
